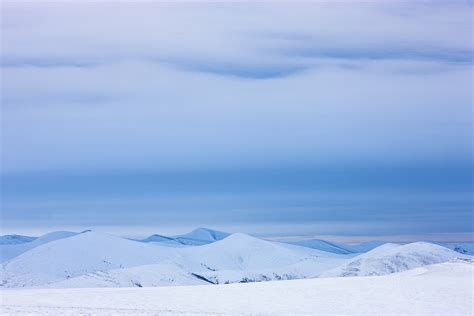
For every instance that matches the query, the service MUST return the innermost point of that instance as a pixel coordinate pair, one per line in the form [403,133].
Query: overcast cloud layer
[343,118]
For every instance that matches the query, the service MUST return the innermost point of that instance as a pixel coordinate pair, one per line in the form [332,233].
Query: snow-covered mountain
[243,258]
[237,258]
[15,239]
[10,251]
[78,255]
[390,258]
[197,237]
[466,248]
[244,252]
[201,236]
[162,240]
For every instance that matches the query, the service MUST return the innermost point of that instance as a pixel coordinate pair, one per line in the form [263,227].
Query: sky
[340,119]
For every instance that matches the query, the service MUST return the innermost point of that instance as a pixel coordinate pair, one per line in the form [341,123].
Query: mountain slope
[391,258]
[8,252]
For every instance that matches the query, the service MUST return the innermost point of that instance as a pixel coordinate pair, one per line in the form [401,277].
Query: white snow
[442,289]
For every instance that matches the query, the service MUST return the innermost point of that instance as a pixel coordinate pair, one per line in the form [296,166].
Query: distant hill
[10,251]
[15,239]
[334,247]
[197,237]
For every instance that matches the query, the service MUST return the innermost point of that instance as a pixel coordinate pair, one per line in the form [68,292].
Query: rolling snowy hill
[390,258]
[10,251]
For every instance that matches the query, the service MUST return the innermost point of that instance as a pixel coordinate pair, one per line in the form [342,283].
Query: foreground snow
[442,289]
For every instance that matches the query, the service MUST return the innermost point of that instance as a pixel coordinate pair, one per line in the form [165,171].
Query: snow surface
[442,289]
[9,251]
[390,258]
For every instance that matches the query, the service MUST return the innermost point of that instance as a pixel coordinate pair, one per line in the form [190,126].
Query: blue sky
[344,119]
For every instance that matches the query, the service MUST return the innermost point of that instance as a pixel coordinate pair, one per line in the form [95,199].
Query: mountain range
[203,256]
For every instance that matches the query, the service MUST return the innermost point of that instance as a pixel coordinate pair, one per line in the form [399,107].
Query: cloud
[161,87]
[382,53]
